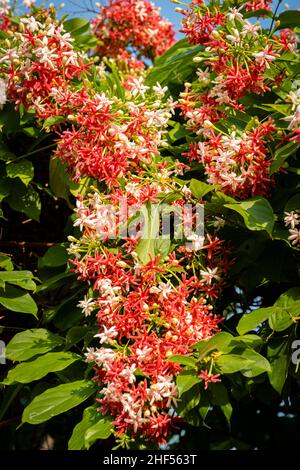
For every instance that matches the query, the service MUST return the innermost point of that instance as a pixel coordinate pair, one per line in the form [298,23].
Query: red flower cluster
[238,60]
[238,163]
[50,61]
[146,314]
[132,25]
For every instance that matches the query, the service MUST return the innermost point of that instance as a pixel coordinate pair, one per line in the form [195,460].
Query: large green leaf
[30,343]
[34,370]
[17,300]
[25,199]
[249,321]
[57,400]
[23,170]
[281,155]
[200,189]
[279,357]
[231,363]
[289,19]
[259,363]
[257,213]
[220,398]
[100,430]
[55,256]
[220,341]
[77,440]
[22,279]
[184,360]
[146,246]
[185,381]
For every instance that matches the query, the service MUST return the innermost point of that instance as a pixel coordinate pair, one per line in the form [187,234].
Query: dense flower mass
[239,61]
[146,312]
[134,26]
[154,297]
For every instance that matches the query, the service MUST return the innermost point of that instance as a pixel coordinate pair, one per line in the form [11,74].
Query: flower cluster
[239,60]
[146,312]
[38,58]
[292,221]
[132,25]
[153,298]
[236,163]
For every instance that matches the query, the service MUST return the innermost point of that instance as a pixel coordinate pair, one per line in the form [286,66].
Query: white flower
[159,91]
[234,14]
[203,75]
[294,119]
[234,37]
[197,242]
[295,236]
[291,219]
[264,57]
[294,98]
[164,289]
[209,275]
[87,305]
[128,373]
[28,3]
[107,335]
[250,28]
[3,97]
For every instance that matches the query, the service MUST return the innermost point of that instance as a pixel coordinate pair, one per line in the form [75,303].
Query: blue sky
[167,8]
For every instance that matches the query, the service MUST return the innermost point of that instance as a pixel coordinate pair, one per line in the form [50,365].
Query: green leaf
[25,200]
[280,320]
[200,189]
[185,360]
[289,19]
[34,370]
[23,170]
[5,188]
[189,400]
[281,155]
[55,256]
[77,440]
[54,282]
[30,343]
[231,363]
[146,246]
[257,213]
[249,340]
[220,398]
[288,305]
[259,363]
[57,400]
[17,300]
[77,26]
[53,121]
[279,357]
[186,381]
[19,278]
[293,203]
[249,321]
[100,430]
[220,341]
[6,263]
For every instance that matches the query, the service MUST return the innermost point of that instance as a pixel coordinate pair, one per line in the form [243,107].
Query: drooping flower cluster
[40,57]
[146,312]
[149,305]
[133,26]
[237,163]
[239,60]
